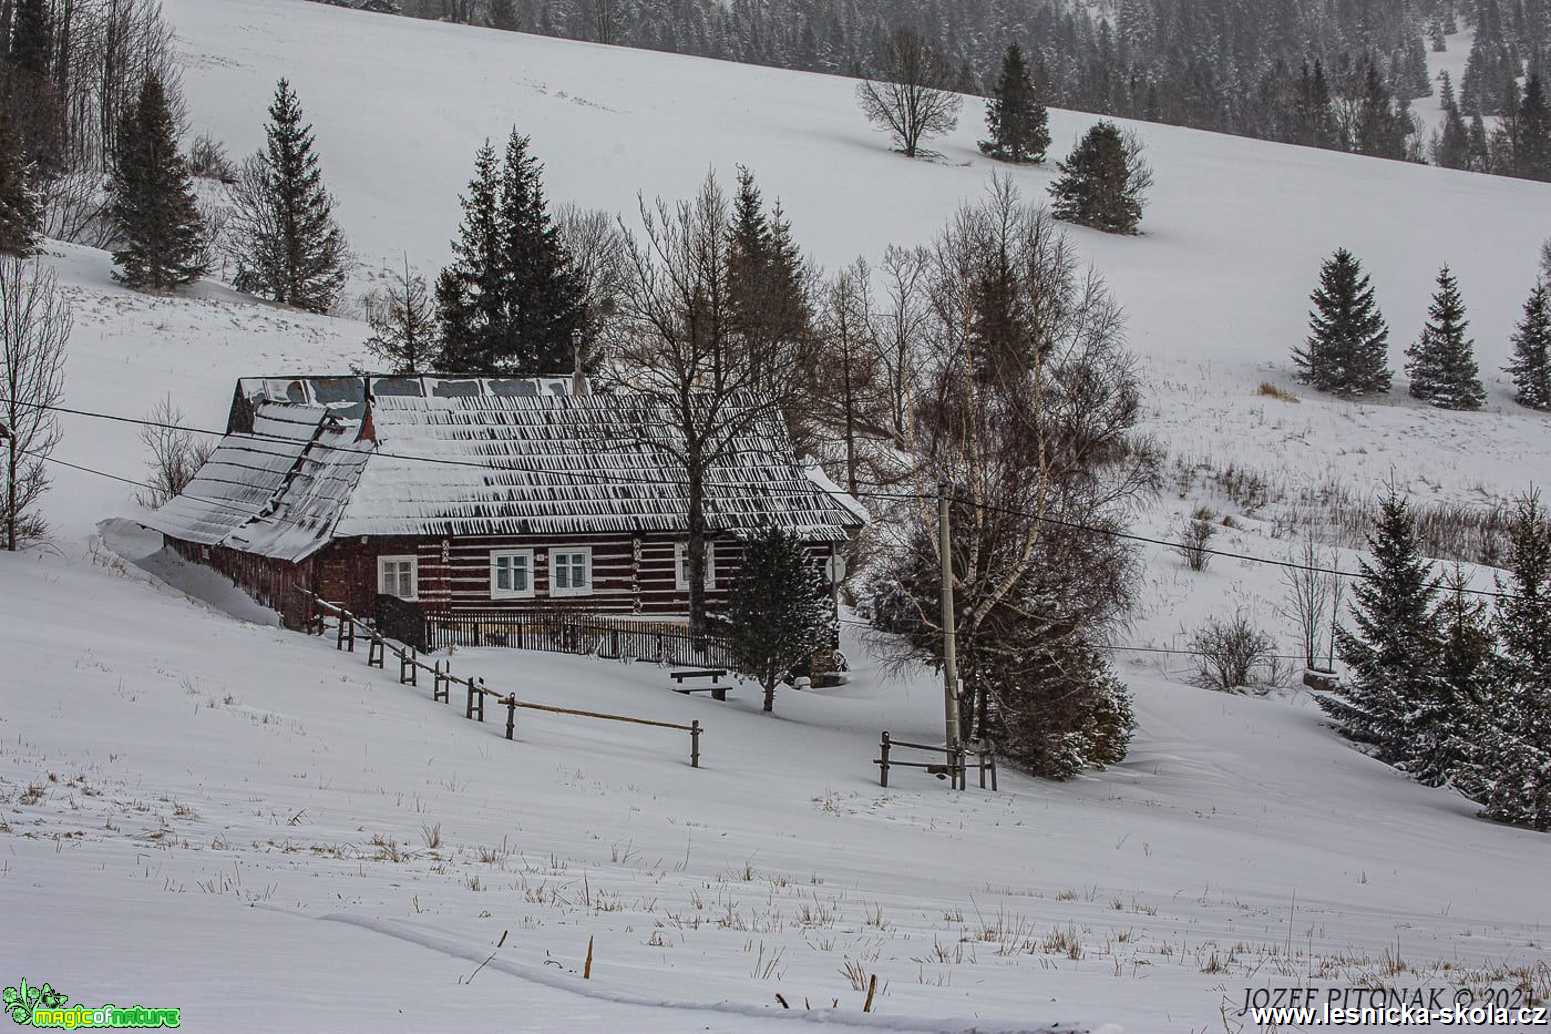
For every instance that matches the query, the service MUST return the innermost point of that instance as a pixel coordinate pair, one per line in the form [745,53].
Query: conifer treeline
[1347,350]
[1445,686]
[1338,75]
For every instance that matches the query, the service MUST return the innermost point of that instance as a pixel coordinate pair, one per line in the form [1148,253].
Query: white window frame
[498,593]
[554,589]
[414,575]
[681,566]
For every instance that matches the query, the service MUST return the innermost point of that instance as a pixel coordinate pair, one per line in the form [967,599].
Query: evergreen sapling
[1531,365]
[779,612]
[1347,349]
[1442,362]
[1018,124]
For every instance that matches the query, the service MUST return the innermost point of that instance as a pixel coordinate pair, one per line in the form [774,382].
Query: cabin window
[511,574]
[570,571]
[398,576]
[681,565]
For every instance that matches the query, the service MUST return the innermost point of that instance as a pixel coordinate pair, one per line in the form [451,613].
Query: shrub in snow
[1234,654]
[1199,531]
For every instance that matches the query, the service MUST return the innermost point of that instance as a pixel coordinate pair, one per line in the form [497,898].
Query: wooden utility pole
[950,665]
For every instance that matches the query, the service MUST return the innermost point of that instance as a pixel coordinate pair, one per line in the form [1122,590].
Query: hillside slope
[1234,234]
[232,819]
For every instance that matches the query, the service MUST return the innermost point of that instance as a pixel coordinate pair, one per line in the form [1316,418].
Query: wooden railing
[560,632]
[954,766]
[348,627]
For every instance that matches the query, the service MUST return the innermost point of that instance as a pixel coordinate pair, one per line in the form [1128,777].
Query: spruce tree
[1018,123]
[292,252]
[1392,655]
[21,209]
[1514,764]
[1095,187]
[1444,726]
[153,208]
[1532,133]
[1452,150]
[779,611]
[544,294]
[1347,351]
[470,292]
[1480,147]
[1531,365]
[510,301]
[1442,363]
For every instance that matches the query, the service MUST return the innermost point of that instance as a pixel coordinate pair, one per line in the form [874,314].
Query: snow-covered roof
[559,465]
[276,491]
[346,394]
[485,463]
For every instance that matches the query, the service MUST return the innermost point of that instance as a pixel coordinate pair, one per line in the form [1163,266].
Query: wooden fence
[476,692]
[559,632]
[954,766]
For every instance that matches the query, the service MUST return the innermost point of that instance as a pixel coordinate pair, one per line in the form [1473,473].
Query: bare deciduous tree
[1027,415]
[176,454]
[403,323]
[1309,596]
[35,324]
[596,245]
[910,94]
[676,343]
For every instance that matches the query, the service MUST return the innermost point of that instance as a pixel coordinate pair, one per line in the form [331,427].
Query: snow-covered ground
[235,819]
[239,821]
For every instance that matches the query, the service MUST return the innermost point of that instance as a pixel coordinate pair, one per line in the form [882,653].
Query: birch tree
[1027,423]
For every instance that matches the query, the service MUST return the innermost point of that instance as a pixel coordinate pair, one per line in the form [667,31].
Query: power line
[627,479]
[1290,565]
[611,478]
[1123,648]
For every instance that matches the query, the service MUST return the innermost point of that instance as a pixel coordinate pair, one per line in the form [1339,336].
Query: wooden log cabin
[441,495]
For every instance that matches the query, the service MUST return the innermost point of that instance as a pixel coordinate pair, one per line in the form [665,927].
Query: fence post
[694,743]
[991,756]
[414,666]
[339,633]
[511,715]
[375,652]
[883,762]
[439,681]
[468,708]
[403,667]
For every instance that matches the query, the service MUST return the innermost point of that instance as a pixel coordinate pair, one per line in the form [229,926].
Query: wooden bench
[714,674]
[717,690]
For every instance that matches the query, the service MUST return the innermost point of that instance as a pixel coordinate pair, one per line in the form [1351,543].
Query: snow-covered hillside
[200,810]
[233,819]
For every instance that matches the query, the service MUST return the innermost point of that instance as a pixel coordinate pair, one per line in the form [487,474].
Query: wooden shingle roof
[484,463]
